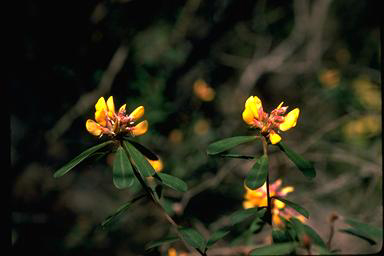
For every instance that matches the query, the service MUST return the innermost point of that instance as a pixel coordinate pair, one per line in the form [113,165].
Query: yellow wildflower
[258,198]
[156,164]
[111,123]
[269,124]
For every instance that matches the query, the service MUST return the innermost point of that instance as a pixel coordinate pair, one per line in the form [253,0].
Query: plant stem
[151,195]
[269,204]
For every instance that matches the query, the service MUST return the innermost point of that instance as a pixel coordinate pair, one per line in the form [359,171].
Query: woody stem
[151,195]
[269,204]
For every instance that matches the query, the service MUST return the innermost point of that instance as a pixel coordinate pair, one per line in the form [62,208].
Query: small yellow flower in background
[269,124]
[369,93]
[172,252]
[156,164]
[203,91]
[369,125]
[111,123]
[330,78]
[258,198]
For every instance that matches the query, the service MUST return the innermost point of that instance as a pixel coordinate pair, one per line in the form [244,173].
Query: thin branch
[87,100]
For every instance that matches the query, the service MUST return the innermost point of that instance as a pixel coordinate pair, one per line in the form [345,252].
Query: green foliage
[67,167]
[244,214]
[159,242]
[305,166]
[143,150]
[293,205]
[137,159]
[113,217]
[364,231]
[302,228]
[123,176]
[173,182]
[217,235]
[236,156]
[275,249]
[258,174]
[193,237]
[228,143]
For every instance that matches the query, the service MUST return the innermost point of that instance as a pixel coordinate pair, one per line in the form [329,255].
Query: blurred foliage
[186,63]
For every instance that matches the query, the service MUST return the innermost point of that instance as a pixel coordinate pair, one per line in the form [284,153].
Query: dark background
[321,56]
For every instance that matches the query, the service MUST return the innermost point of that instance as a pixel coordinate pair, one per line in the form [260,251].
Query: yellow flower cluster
[269,124]
[258,198]
[111,123]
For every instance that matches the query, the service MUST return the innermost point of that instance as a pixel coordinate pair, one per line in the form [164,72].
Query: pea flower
[111,123]
[269,124]
[258,198]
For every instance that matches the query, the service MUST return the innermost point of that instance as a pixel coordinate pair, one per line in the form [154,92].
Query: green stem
[151,195]
[269,203]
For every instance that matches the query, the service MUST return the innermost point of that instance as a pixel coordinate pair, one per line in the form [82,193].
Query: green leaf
[364,231]
[216,236]
[173,182]
[228,143]
[236,156]
[143,150]
[159,242]
[293,205]
[280,235]
[192,237]
[303,228]
[256,225]
[305,166]
[123,176]
[120,211]
[258,174]
[141,163]
[275,249]
[241,215]
[371,231]
[67,167]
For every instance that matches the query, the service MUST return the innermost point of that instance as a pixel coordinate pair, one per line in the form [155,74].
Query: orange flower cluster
[111,123]
[255,116]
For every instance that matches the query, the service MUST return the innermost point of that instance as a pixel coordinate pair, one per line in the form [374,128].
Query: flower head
[269,124]
[258,198]
[111,123]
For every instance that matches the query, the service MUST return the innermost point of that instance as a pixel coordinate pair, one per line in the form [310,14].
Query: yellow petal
[281,104]
[140,128]
[274,137]
[100,117]
[279,204]
[137,113]
[93,127]
[100,105]
[248,204]
[286,190]
[290,120]
[156,164]
[122,108]
[254,104]
[111,107]
[248,116]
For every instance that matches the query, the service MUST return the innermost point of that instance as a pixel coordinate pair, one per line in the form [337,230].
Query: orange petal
[140,128]
[100,117]
[290,120]
[93,127]
[287,190]
[137,113]
[248,116]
